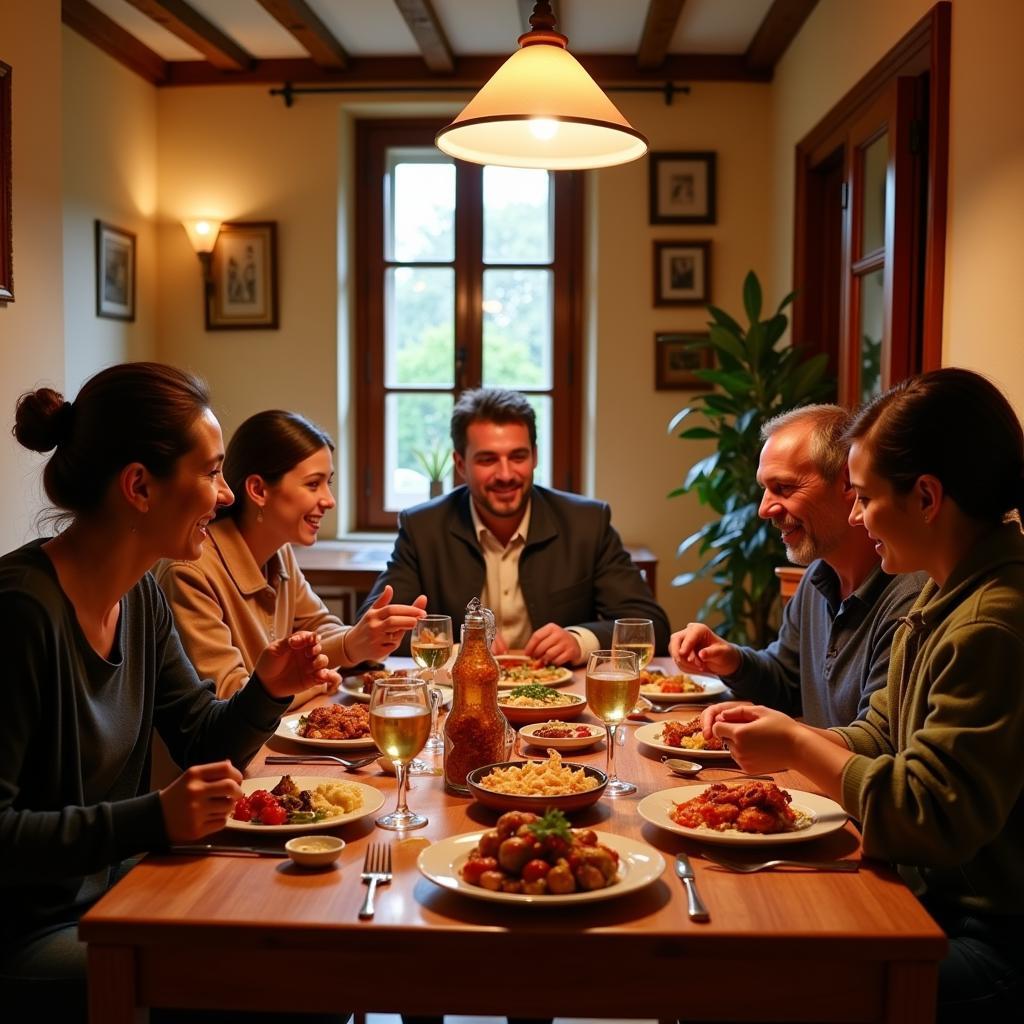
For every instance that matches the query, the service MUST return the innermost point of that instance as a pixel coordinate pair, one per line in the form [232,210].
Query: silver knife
[694,904]
[193,849]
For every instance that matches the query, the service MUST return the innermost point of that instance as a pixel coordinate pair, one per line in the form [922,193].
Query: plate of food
[359,687]
[678,689]
[536,702]
[768,814]
[518,670]
[336,726]
[555,735]
[674,737]
[301,803]
[537,785]
[607,865]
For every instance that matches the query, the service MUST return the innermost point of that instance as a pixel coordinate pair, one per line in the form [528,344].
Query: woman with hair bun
[246,589]
[934,772]
[93,664]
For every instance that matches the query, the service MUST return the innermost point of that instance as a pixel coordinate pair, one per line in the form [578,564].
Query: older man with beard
[833,645]
[549,564]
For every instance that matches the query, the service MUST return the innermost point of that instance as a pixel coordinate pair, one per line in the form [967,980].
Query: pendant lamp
[542,109]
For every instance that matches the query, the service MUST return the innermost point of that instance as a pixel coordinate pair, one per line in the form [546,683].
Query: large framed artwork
[115,272]
[682,188]
[243,290]
[6,185]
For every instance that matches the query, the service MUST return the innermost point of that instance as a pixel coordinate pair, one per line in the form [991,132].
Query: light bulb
[543,128]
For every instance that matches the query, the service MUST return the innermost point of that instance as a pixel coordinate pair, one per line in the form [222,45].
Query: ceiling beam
[303,23]
[526,9]
[783,21]
[659,26]
[187,23]
[426,30]
[608,70]
[92,24]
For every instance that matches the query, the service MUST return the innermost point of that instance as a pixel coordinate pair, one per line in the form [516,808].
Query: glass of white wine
[431,646]
[634,635]
[613,685]
[399,725]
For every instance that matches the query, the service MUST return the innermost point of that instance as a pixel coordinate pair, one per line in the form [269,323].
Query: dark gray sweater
[75,738]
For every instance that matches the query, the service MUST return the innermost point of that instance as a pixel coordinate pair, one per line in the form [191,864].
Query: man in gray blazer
[547,563]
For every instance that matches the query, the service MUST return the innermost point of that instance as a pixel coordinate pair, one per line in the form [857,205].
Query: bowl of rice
[537,785]
[538,703]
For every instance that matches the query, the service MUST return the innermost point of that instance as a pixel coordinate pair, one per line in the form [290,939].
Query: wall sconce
[202,233]
[542,109]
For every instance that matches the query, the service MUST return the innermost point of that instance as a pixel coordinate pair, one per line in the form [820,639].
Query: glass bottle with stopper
[476,732]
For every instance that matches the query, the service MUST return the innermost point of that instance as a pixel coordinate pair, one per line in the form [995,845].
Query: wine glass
[634,635]
[613,685]
[431,647]
[399,724]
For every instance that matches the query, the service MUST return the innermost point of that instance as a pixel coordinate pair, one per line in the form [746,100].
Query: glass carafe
[475,731]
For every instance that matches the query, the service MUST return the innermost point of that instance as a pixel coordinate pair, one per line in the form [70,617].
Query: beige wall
[838,44]
[635,461]
[31,327]
[110,175]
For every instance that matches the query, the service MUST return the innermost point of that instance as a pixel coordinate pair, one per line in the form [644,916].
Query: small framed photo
[115,272]
[676,356]
[682,271]
[682,188]
[243,290]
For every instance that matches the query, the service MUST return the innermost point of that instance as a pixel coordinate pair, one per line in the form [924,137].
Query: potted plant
[756,378]
[436,464]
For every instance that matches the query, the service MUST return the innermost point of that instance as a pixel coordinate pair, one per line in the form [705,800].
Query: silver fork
[376,871]
[762,865]
[348,763]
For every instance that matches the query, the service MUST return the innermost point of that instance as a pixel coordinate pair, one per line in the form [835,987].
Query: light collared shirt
[502,592]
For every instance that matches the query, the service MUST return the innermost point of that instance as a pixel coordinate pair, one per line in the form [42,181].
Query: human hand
[499,646]
[760,739]
[200,801]
[554,645]
[697,649]
[293,664]
[379,631]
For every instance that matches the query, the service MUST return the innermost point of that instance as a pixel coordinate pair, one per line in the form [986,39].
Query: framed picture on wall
[682,271]
[115,272]
[676,356]
[682,188]
[243,290]
[6,180]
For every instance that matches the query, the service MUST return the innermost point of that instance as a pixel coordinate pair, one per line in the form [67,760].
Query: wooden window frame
[916,326]
[373,139]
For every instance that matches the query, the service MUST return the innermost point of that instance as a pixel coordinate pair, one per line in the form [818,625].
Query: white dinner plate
[289,729]
[827,814]
[353,687]
[373,800]
[528,733]
[651,735]
[564,674]
[639,865]
[712,687]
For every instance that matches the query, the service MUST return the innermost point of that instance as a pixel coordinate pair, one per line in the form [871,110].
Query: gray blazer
[573,569]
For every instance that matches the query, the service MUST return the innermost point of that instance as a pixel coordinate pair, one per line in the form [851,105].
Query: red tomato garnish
[476,866]
[534,869]
[243,810]
[273,814]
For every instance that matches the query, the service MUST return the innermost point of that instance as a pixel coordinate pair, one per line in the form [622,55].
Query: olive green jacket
[938,777]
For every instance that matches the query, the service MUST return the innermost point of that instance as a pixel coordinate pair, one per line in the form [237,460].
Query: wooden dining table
[245,933]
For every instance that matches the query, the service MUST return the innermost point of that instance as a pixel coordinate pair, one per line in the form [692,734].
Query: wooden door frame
[925,49]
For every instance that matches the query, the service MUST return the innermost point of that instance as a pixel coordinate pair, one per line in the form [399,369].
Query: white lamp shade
[202,233]
[579,126]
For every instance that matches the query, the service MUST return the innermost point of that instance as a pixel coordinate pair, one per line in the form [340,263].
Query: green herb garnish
[537,691]
[553,823]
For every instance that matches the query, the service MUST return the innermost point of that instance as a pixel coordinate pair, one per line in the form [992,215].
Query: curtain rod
[288,91]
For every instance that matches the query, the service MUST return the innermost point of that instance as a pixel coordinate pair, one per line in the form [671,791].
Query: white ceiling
[375,28]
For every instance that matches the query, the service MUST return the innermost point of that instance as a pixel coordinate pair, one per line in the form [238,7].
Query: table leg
[112,987]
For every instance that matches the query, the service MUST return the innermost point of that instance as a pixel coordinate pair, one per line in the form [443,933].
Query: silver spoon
[678,766]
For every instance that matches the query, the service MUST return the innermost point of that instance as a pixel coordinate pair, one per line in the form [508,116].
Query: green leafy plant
[756,378]
[435,462]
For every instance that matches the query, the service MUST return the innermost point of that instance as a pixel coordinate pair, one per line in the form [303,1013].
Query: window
[870,219]
[467,276]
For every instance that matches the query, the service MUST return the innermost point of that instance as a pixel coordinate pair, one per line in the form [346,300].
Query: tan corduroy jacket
[227,608]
